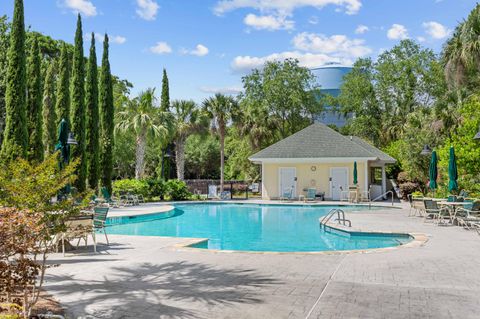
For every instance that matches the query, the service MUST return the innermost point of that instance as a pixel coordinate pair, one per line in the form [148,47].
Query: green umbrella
[433,172]
[355,173]
[62,144]
[452,171]
[64,149]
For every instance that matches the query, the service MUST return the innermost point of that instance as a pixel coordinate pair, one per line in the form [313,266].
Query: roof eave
[312,160]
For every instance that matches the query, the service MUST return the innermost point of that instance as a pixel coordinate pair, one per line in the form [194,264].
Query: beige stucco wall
[307,178]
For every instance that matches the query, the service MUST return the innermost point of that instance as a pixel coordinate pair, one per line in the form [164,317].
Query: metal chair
[99,219]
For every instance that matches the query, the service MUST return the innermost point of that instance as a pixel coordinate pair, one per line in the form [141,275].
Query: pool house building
[321,158]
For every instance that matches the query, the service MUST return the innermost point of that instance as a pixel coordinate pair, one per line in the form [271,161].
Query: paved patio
[146,277]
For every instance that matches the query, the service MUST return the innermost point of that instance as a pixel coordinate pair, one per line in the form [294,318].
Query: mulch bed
[46,305]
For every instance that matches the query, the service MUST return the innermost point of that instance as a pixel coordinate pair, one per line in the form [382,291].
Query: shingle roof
[320,141]
[372,149]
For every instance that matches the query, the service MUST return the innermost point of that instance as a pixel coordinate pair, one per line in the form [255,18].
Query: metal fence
[237,189]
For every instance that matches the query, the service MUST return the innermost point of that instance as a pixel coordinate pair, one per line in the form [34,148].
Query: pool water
[249,227]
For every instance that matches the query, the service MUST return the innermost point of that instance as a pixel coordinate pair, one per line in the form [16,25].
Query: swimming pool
[250,227]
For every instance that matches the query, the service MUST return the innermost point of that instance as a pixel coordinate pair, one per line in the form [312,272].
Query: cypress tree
[92,143]
[106,119]
[48,110]
[62,105]
[34,103]
[15,135]
[78,108]
[165,98]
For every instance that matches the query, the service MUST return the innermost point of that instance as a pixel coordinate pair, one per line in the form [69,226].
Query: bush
[135,186]
[156,187]
[177,190]
[29,222]
[408,188]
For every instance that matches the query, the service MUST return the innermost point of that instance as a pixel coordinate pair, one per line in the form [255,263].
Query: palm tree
[145,119]
[220,109]
[462,52]
[188,119]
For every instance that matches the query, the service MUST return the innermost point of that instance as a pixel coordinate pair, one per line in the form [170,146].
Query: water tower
[330,78]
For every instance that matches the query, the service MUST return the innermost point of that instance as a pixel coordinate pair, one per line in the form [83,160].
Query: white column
[366,176]
[264,192]
[384,181]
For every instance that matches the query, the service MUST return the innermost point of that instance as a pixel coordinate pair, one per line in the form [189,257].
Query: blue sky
[207,45]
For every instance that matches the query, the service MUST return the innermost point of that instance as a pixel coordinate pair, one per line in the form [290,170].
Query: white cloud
[361,29]
[84,7]
[285,7]
[117,39]
[311,50]
[161,48]
[337,45]
[200,50]
[223,90]
[436,30]
[421,39]
[268,22]
[147,9]
[397,32]
[244,64]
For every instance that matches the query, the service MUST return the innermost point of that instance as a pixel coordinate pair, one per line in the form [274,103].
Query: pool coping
[418,240]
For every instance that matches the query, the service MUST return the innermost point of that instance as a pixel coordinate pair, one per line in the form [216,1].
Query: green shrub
[135,186]
[177,190]
[156,187]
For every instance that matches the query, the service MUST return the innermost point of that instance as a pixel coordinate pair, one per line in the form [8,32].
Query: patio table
[453,207]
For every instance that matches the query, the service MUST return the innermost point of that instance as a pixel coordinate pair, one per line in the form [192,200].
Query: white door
[287,180]
[338,181]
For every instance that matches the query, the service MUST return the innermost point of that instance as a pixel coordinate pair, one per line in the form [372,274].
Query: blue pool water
[250,227]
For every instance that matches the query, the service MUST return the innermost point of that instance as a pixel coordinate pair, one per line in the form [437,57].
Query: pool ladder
[340,218]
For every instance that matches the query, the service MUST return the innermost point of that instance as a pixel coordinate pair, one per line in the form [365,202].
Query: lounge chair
[451,198]
[111,201]
[212,192]
[99,219]
[311,193]
[463,193]
[469,215]
[287,194]
[435,213]
[413,209]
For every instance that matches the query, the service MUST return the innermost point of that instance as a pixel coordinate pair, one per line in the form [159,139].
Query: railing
[340,217]
[381,196]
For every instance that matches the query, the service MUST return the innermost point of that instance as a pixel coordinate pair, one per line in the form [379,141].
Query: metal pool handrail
[340,217]
[381,196]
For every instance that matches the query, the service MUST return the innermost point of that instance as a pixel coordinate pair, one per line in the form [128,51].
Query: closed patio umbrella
[64,149]
[452,171]
[62,144]
[433,172]
[355,173]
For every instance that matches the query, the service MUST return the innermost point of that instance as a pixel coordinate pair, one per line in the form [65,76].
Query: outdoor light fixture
[71,140]
[426,150]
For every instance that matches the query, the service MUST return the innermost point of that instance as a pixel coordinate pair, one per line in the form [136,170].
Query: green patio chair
[109,199]
[451,198]
[469,215]
[435,213]
[287,194]
[99,219]
[311,193]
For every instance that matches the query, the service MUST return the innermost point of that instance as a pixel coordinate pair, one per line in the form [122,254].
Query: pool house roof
[319,142]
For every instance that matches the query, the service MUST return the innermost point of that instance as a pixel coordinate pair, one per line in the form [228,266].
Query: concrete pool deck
[147,277]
